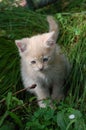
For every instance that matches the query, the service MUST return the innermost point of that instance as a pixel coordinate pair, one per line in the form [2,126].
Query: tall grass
[73,38]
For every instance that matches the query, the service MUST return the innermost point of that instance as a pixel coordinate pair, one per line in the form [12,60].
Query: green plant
[10,103]
[64,119]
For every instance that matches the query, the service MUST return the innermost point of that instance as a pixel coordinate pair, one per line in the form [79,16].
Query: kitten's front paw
[44,105]
[41,104]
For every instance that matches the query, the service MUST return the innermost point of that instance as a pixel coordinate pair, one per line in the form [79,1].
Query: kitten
[43,64]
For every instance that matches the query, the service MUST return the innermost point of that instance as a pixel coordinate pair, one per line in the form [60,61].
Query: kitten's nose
[40,66]
[41,69]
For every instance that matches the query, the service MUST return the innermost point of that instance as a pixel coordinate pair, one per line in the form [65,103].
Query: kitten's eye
[45,59]
[33,62]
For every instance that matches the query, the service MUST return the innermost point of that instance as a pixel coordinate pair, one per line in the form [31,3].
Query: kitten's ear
[50,39]
[21,44]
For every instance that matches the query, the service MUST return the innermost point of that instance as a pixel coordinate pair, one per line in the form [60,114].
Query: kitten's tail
[53,26]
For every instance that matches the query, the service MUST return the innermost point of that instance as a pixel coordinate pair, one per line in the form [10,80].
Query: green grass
[64,6]
[20,111]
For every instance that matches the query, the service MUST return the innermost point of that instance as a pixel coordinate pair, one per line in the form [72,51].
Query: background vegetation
[19,110]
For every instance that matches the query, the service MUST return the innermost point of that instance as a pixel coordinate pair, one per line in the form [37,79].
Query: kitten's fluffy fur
[43,64]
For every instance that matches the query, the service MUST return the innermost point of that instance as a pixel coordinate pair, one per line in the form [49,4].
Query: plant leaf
[16,119]
[3,117]
[8,100]
[60,121]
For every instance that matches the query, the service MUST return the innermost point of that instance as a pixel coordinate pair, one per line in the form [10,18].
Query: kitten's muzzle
[42,68]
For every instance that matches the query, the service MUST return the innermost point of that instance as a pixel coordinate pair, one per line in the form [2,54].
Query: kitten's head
[37,51]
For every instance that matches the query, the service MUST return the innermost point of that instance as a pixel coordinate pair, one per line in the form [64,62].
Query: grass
[20,111]
[68,6]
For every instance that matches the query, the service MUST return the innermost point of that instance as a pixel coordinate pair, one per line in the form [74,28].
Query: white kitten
[43,64]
